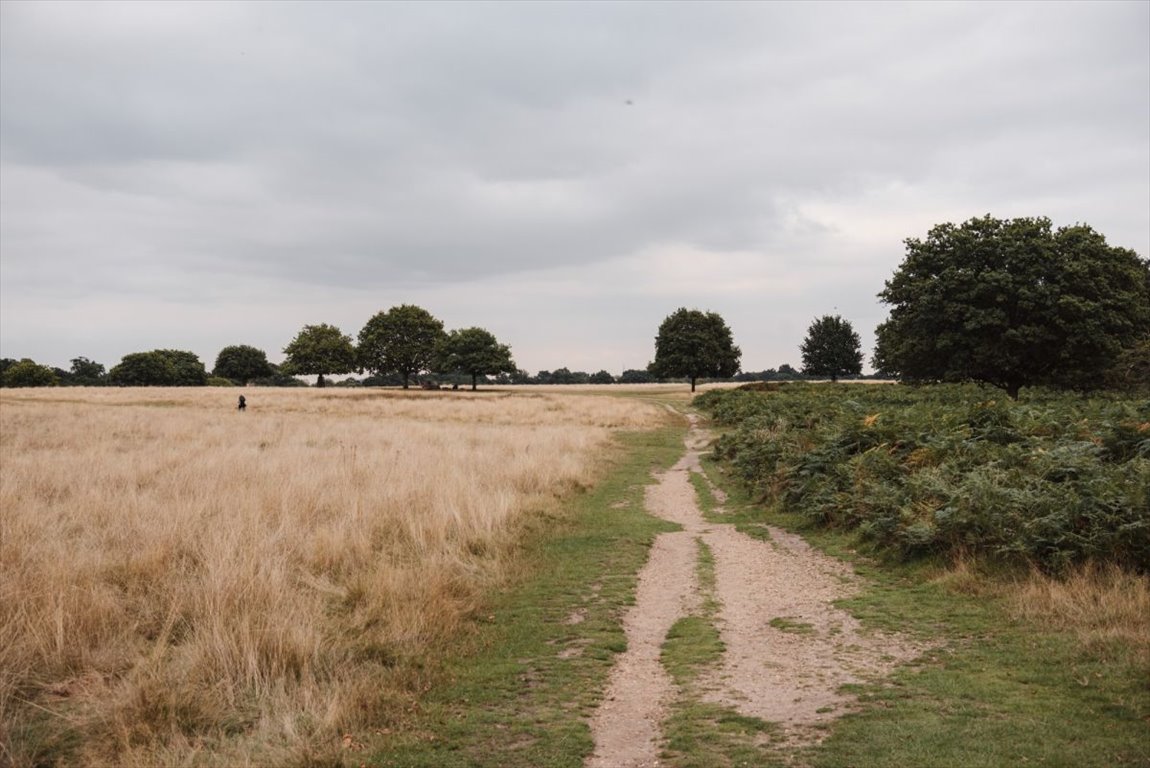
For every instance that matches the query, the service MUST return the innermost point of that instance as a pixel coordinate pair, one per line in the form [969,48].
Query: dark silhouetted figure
[243,404]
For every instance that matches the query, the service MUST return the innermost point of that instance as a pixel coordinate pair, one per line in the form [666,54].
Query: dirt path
[788,649]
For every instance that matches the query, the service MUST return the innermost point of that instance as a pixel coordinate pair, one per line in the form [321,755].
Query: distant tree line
[1009,303]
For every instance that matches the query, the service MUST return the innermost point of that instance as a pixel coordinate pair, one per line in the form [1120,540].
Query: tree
[475,352]
[142,369]
[318,350]
[403,340]
[29,373]
[86,373]
[242,363]
[695,344]
[188,369]
[159,368]
[601,377]
[1131,371]
[831,348]
[636,376]
[1012,304]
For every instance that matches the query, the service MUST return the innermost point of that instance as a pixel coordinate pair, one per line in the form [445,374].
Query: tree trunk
[692,383]
[320,382]
[474,381]
[405,375]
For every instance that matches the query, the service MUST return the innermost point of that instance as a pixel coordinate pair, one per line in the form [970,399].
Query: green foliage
[694,345]
[1051,480]
[28,373]
[219,381]
[318,350]
[86,373]
[1131,371]
[634,376]
[1012,304]
[404,340]
[476,352]
[242,363]
[601,377]
[159,368]
[831,348]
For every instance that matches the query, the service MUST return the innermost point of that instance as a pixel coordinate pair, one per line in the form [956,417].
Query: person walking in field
[243,404]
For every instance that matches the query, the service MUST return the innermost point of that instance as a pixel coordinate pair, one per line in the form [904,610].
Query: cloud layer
[194,175]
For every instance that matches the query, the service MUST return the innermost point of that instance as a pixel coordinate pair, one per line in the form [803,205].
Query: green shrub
[1052,480]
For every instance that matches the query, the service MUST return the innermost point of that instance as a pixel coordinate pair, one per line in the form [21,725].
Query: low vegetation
[1050,480]
[184,584]
[1040,654]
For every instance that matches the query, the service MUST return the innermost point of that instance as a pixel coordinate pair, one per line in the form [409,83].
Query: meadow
[186,584]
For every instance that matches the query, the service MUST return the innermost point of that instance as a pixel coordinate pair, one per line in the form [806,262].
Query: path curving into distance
[789,673]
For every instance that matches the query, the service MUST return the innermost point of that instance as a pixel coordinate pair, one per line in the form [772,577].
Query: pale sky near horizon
[191,175]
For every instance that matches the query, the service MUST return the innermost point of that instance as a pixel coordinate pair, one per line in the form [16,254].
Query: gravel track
[789,672]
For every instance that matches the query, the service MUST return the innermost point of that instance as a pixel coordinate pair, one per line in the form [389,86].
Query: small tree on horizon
[694,345]
[87,373]
[405,340]
[476,352]
[242,363]
[29,373]
[319,350]
[159,368]
[831,348]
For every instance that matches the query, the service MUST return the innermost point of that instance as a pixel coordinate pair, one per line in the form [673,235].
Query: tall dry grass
[1105,607]
[182,584]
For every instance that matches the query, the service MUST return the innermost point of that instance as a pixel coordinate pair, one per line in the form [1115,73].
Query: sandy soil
[789,673]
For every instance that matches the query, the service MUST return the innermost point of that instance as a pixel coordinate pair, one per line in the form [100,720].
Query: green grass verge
[519,694]
[994,691]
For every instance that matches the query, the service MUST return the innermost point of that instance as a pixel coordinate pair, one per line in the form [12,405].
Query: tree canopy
[242,363]
[831,348]
[405,340]
[28,373]
[1012,303]
[159,368]
[694,345]
[319,350]
[476,352]
[87,373]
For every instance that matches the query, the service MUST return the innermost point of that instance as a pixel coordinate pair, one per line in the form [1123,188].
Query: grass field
[347,577]
[186,584]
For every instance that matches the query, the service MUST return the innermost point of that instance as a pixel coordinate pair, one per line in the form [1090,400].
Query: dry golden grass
[1108,609]
[185,584]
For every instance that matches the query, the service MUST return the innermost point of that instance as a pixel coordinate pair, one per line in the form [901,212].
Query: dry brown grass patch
[185,584]
[1106,607]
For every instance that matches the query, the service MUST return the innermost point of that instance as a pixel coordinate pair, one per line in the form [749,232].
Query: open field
[185,584]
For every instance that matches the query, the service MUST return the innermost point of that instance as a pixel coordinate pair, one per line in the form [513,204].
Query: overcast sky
[195,175]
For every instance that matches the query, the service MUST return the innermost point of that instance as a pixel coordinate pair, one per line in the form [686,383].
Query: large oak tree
[404,340]
[694,345]
[242,363]
[319,350]
[159,368]
[831,348]
[1012,303]
[476,352]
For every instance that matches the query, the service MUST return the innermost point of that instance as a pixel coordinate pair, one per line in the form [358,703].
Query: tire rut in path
[788,673]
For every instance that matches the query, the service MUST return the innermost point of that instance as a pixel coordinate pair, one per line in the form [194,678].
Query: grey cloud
[166,150]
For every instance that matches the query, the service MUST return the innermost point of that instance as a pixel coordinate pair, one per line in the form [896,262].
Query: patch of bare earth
[788,649]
